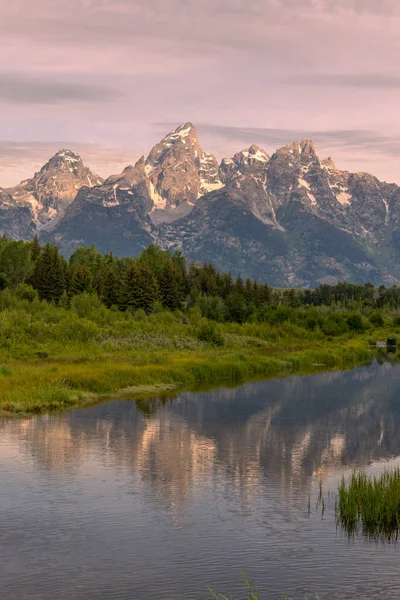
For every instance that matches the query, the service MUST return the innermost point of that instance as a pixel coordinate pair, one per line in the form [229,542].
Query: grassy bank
[55,359]
[31,387]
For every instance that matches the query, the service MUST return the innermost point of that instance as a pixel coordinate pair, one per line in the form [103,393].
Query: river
[160,499]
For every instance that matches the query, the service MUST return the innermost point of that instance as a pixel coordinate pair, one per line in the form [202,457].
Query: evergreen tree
[140,289]
[249,291]
[208,280]
[236,309]
[239,286]
[49,277]
[109,287]
[80,280]
[172,294]
[35,249]
[225,285]
[264,294]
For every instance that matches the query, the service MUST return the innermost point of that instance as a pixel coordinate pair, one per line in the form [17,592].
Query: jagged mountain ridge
[290,218]
[54,187]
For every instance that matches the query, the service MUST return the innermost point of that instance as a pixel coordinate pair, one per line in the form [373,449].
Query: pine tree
[80,280]
[109,287]
[172,294]
[239,286]
[249,291]
[35,249]
[265,294]
[140,289]
[225,285]
[49,277]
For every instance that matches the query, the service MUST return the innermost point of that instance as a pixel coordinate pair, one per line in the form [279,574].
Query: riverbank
[56,358]
[40,385]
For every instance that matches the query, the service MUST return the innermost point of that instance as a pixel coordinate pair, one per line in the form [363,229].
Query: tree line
[165,279]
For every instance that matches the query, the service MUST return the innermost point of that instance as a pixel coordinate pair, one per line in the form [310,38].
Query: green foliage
[251,589]
[140,315]
[212,307]
[140,289]
[207,332]
[355,322]
[24,291]
[376,318]
[371,504]
[236,307]
[15,263]
[171,286]
[85,304]
[49,276]
[35,249]
[109,287]
[80,280]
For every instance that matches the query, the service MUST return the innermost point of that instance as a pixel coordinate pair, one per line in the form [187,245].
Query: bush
[26,292]
[85,304]
[212,307]
[376,318]
[208,332]
[139,315]
[355,322]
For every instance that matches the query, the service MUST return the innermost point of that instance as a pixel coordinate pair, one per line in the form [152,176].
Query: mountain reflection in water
[164,498]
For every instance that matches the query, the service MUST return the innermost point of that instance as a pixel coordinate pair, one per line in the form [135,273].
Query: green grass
[55,359]
[43,385]
[252,592]
[371,504]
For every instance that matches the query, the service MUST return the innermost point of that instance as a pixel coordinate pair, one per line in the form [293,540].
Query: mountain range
[290,219]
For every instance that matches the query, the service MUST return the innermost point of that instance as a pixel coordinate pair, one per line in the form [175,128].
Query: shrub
[85,304]
[26,292]
[140,315]
[355,322]
[376,318]
[212,307]
[208,332]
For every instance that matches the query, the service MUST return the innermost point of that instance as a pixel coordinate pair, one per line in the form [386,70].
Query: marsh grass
[52,359]
[370,504]
[251,590]
[60,383]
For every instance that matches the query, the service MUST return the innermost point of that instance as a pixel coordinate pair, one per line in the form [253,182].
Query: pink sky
[108,78]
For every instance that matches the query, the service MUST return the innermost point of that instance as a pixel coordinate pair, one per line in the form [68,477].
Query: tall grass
[53,358]
[371,504]
[251,590]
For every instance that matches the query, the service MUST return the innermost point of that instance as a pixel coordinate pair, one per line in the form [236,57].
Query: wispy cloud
[345,80]
[25,89]
[287,69]
[270,137]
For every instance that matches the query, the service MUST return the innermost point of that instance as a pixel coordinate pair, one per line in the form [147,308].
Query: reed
[370,505]
[251,590]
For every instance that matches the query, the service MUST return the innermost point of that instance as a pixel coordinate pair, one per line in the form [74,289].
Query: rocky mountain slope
[53,188]
[15,220]
[291,219]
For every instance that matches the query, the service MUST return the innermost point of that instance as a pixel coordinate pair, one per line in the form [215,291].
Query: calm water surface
[157,501]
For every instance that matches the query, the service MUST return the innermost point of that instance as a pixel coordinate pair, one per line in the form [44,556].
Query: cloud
[345,80]
[268,136]
[24,89]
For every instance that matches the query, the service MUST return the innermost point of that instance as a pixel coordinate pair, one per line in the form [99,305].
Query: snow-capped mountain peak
[55,186]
